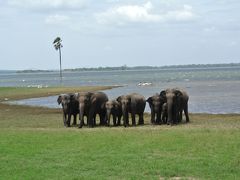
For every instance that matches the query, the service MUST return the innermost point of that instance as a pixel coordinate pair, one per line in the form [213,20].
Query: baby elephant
[70,106]
[134,104]
[113,108]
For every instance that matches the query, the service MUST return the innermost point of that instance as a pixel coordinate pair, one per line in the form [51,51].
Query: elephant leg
[74,120]
[119,120]
[81,124]
[127,119]
[164,118]
[114,120]
[133,118]
[91,118]
[186,113]
[69,119]
[102,119]
[152,117]
[158,121]
[91,122]
[180,116]
[64,118]
[83,121]
[108,121]
[141,120]
[175,116]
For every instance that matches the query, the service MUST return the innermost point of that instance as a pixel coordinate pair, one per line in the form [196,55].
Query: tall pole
[60,56]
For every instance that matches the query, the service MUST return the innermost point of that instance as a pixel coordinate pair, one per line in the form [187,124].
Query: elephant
[164,114]
[90,104]
[133,103]
[70,106]
[155,102]
[177,101]
[113,108]
[84,106]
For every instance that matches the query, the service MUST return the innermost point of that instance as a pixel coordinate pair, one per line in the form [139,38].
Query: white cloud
[47,3]
[57,19]
[184,14]
[143,13]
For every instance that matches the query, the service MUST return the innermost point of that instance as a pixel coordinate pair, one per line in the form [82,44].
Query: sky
[118,32]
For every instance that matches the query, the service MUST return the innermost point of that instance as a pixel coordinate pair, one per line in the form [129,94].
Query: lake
[211,90]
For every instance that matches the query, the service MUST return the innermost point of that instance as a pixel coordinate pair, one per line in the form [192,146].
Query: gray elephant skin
[135,104]
[155,103]
[70,107]
[113,108]
[177,101]
[91,104]
[164,114]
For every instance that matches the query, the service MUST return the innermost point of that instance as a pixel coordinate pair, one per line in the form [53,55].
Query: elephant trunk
[152,116]
[124,111]
[81,114]
[156,111]
[170,112]
[108,116]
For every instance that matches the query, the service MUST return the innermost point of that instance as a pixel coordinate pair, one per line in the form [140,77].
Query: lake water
[211,90]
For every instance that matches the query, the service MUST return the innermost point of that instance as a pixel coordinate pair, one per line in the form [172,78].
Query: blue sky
[118,32]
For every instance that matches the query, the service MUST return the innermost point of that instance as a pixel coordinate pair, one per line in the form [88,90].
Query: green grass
[35,145]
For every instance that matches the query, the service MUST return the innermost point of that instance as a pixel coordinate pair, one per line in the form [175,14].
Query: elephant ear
[178,93]
[162,96]
[72,97]
[103,106]
[59,100]
[119,99]
[89,96]
[116,104]
[149,100]
[129,99]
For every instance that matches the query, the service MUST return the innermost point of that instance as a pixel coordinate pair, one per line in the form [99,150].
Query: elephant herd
[166,108]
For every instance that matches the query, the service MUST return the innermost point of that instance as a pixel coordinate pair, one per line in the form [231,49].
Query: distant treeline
[125,67]
[34,71]
[202,66]
[117,68]
[155,67]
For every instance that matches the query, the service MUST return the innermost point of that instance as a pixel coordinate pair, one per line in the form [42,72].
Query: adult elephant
[91,104]
[113,108]
[70,106]
[84,106]
[155,103]
[177,101]
[135,104]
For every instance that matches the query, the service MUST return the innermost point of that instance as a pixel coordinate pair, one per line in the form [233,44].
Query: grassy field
[35,145]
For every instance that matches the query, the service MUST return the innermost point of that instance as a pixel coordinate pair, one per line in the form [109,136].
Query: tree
[57,44]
